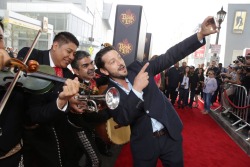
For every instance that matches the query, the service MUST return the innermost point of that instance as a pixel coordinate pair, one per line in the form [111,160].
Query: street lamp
[220,18]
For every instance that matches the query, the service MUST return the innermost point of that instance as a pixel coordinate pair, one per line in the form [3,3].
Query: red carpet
[205,144]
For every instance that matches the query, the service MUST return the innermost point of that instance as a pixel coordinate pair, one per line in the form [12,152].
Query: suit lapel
[45,58]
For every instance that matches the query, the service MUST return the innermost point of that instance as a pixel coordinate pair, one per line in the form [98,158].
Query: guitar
[110,132]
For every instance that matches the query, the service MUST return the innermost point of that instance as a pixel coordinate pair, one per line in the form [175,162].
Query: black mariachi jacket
[52,142]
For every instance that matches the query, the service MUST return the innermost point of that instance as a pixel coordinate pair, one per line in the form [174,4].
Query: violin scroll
[33,65]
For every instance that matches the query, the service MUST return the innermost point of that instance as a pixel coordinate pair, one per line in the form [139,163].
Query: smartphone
[216,21]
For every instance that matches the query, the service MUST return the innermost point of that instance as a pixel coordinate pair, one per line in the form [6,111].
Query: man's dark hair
[78,56]
[98,58]
[65,38]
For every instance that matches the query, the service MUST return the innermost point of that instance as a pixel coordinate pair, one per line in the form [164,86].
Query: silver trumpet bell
[95,102]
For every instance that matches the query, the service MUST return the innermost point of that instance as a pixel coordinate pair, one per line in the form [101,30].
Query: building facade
[87,20]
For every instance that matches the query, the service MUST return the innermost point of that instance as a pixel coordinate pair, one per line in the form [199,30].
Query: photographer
[241,66]
[232,78]
[221,70]
[231,75]
[245,81]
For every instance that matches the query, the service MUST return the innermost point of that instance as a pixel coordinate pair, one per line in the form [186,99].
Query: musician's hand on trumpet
[77,106]
[70,89]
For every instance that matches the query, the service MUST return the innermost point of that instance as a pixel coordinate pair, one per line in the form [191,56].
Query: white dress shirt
[52,64]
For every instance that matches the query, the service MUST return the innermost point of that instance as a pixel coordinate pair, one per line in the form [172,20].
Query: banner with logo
[130,32]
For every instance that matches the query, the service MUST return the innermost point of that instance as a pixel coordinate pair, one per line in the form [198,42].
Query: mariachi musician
[48,137]
[86,122]
[10,117]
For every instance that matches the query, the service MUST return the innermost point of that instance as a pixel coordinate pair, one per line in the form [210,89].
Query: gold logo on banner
[124,47]
[128,18]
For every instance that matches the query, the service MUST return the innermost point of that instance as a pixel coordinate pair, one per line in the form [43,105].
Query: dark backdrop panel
[129,32]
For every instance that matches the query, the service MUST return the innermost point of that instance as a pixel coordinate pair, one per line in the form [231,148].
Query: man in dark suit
[172,80]
[155,125]
[48,137]
[193,81]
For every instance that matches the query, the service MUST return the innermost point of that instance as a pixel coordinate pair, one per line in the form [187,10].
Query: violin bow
[11,86]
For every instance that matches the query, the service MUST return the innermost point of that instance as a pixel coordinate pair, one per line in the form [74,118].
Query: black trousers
[183,97]
[192,94]
[173,94]
[169,151]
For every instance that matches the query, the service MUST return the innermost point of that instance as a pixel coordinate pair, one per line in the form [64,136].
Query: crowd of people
[188,84]
[54,128]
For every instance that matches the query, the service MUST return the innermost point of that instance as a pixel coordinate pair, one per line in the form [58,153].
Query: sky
[172,21]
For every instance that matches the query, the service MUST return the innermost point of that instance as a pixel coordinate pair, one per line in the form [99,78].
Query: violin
[34,78]
[13,82]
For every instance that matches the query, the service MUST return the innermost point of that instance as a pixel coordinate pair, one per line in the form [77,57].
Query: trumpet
[96,102]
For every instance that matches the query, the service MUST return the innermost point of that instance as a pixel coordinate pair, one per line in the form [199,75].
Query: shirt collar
[126,79]
[125,90]
[52,64]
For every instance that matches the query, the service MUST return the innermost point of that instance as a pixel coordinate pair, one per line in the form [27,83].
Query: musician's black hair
[98,58]
[65,38]
[78,56]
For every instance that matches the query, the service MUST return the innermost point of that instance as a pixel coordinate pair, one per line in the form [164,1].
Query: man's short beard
[119,76]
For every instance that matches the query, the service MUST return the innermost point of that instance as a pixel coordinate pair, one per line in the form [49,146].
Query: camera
[242,59]
[223,76]
[246,68]
[236,61]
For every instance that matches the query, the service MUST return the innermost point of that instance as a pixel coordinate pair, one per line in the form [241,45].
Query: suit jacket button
[147,111]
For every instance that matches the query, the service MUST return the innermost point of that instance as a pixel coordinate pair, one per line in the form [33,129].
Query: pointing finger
[144,67]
